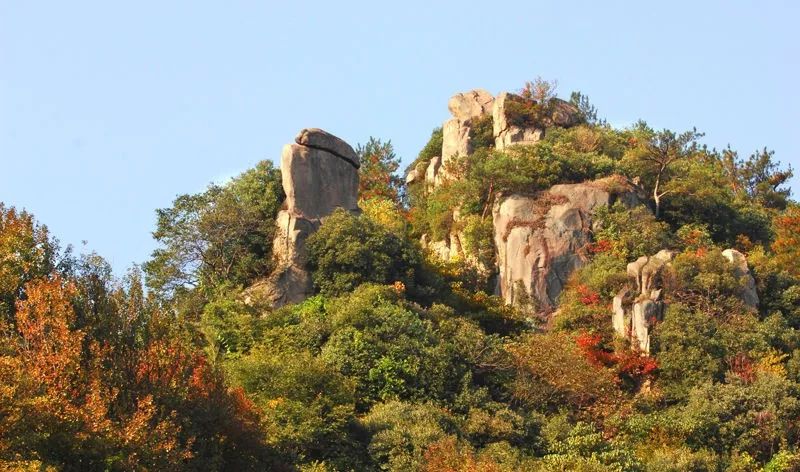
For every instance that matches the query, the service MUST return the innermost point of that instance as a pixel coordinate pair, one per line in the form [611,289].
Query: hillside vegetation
[406,361]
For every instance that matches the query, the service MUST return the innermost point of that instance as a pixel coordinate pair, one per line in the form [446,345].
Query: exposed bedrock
[542,239]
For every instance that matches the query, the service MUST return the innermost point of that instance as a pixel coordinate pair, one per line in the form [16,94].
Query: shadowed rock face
[542,239]
[320,174]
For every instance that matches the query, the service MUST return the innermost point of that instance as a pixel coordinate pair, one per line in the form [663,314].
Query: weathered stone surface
[432,171]
[541,240]
[563,114]
[320,139]
[466,105]
[618,318]
[748,292]
[320,174]
[317,182]
[646,269]
[645,314]
[505,132]
[416,174]
[633,318]
[455,139]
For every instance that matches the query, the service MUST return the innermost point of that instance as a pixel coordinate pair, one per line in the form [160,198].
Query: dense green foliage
[402,362]
[222,236]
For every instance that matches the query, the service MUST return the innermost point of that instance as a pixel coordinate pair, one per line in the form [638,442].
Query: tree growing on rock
[659,152]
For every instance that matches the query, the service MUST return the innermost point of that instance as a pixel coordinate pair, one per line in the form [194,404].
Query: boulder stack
[636,311]
[320,174]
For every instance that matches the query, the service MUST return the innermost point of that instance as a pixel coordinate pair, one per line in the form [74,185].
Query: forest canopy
[401,361]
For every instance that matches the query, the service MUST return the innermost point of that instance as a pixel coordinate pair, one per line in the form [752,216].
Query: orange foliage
[629,364]
[787,239]
[445,456]
[588,296]
[58,387]
[601,246]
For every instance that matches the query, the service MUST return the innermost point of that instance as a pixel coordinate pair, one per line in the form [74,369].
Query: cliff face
[542,239]
[506,112]
[319,174]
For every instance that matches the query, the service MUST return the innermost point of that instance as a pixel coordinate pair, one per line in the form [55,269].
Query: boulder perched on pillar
[320,174]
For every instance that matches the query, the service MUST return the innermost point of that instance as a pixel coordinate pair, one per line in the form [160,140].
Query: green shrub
[349,250]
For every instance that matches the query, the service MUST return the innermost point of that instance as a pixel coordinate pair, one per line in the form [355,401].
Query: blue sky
[108,111]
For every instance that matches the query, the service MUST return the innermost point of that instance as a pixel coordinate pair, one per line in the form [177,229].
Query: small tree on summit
[660,151]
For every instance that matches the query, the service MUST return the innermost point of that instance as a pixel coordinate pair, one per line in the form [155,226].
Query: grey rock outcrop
[542,239]
[748,292]
[635,313]
[319,174]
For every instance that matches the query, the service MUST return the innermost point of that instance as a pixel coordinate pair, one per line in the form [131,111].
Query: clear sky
[108,111]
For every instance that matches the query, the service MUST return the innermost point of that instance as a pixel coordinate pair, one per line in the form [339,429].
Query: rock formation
[635,312]
[748,292]
[464,107]
[512,126]
[542,239]
[320,174]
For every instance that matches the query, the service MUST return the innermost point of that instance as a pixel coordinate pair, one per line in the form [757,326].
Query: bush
[349,250]
[552,373]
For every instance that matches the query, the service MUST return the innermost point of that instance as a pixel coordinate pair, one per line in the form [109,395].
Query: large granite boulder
[320,174]
[542,239]
[465,107]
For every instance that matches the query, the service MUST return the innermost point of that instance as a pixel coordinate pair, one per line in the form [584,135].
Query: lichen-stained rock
[542,239]
[319,175]
[748,292]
